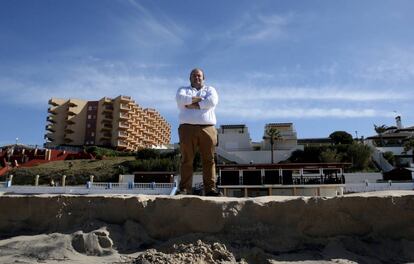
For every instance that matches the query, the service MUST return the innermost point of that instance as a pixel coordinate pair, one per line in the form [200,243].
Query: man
[196,104]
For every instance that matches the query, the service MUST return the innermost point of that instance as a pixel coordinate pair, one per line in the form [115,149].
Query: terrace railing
[94,188]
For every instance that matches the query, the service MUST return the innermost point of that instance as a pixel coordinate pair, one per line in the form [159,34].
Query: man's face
[197,79]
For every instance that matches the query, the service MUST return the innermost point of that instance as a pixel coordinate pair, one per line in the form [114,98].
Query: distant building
[392,140]
[235,145]
[288,135]
[234,138]
[118,123]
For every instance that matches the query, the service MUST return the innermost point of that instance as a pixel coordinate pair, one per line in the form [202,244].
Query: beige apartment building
[118,123]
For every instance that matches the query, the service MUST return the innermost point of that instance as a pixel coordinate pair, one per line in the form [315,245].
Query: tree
[360,156]
[273,134]
[341,137]
[297,156]
[409,145]
[329,155]
[380,130]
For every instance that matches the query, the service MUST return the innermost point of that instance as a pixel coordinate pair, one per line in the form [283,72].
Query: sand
[359,228]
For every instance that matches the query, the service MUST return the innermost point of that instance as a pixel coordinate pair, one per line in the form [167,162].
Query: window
[88,125]
[89,116]
[89,108]
[92,134]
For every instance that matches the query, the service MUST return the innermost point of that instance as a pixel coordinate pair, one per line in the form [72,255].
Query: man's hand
[193,106]
[196,99]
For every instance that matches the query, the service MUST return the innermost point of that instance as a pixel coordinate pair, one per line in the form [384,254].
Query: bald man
[196,104]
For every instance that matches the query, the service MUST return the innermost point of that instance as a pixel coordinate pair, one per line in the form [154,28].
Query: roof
[411,128]
[315,140]
[283,166]
[279,124]
[233,126]
[392,135]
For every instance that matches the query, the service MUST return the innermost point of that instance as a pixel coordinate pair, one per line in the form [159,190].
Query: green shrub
[152,165]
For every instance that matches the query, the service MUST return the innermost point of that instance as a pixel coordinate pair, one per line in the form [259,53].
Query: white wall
[395,150]
[263,156]
[360,177]
[234,141]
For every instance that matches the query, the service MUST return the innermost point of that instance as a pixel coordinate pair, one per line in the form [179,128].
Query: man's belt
[185,124]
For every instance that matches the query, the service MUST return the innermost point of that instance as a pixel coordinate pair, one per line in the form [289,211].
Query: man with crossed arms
[196,104]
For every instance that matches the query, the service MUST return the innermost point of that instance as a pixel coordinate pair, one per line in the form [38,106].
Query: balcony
[53,102]
[106,118]
[72,103]
[107,126]
[106,136]
[107,101]
[124,107]
[123,116]
[69,130]
[69,121]
[122,143]
[52,110]
[49,128]
[49,136]
[125,98]
[50,119]
[130,140]
[107,121]
[123,126]
[107,109]
[122,134]
[71,113]
[68,140]
[105,142]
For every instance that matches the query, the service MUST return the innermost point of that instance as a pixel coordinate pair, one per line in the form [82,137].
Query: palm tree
[380,130]
[273,134]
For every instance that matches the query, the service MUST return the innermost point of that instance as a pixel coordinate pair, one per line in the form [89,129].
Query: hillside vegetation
[106,168]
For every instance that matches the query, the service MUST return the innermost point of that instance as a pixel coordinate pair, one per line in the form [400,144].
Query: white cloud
[292,112]
[254,28]
[387,65]
[149,28]
[267,27]
[92,83]
[105,78]
[305,93]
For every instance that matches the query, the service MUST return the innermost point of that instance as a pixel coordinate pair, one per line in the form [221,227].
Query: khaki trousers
[203,138]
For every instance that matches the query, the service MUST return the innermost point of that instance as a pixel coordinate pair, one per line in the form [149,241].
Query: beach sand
[372,227]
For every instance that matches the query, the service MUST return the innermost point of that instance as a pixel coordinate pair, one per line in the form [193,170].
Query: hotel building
[117,123]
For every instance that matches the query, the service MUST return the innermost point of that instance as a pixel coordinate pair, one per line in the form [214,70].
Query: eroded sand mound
[370,228]
[198,252]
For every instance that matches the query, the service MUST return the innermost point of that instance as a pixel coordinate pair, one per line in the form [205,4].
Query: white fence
[377,186]
[95,188]
[362,177]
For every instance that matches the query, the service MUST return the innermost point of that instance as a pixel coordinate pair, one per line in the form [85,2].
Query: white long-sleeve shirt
[203,116]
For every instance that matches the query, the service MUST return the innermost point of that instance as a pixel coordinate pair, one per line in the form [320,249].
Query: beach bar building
[295,179]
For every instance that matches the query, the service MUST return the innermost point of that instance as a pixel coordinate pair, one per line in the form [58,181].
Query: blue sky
[323,65]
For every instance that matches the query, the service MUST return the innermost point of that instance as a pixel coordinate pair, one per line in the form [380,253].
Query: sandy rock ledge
[369,228]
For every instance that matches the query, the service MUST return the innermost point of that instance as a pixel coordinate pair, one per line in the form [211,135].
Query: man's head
[197,78]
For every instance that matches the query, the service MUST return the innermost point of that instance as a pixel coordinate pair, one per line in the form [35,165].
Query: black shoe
[214,193]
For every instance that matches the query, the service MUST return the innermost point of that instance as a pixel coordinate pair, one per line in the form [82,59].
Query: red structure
[25,156]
